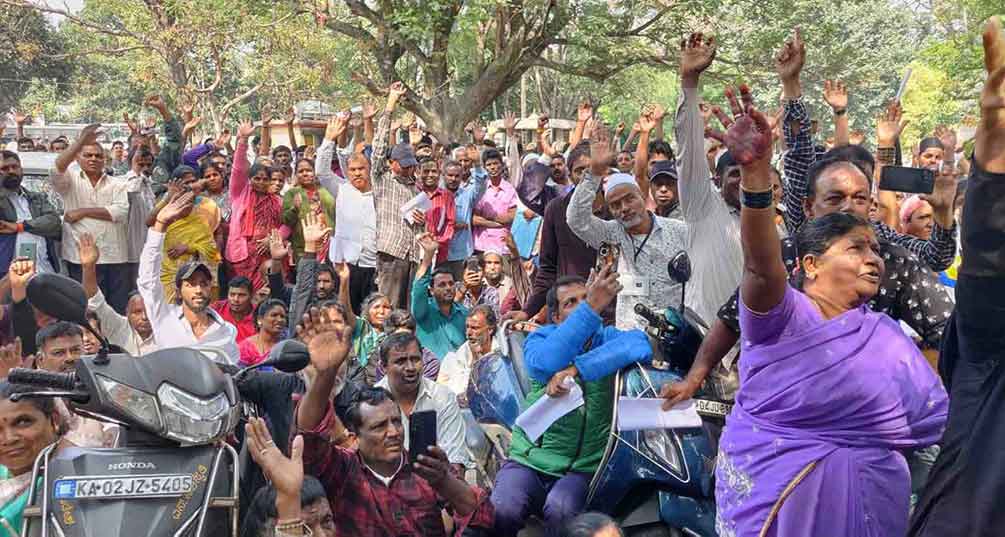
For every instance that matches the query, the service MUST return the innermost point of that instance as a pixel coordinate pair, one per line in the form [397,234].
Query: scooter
[173,472]
[655,482]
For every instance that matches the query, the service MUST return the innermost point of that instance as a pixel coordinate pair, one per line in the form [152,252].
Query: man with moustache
[466,196]
[25,217]
[193,321]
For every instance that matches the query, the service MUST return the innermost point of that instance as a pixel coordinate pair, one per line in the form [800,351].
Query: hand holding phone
[904,179]
[421,433]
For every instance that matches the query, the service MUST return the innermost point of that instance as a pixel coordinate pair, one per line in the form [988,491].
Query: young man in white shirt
[193,321]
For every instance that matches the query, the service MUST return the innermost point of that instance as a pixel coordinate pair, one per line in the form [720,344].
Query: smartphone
[608,255]
[421,433]
[904,179]
[29,250]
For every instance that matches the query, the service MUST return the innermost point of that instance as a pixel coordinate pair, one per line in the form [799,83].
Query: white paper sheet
[547,410]
[637,414]
[421,202]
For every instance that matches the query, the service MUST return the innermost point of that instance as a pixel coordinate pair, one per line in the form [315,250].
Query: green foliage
[30,54]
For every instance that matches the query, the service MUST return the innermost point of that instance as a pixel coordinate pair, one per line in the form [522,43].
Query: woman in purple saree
[831,392]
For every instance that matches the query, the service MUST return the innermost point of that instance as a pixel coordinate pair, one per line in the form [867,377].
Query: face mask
[11,181]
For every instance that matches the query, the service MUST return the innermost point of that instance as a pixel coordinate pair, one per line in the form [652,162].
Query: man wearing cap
[647,241]
[191,320]
[663,187]
[393,186]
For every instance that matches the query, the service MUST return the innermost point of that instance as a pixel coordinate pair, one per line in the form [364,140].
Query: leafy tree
[30,50]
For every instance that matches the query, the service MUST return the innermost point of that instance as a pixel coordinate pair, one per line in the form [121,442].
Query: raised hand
[369,110]
[602,288]
[155,101]
[509,123]
[948,138]
[433,467]
[836,95]
[990,139]
[190,126]
[21,270]
[584,112]
[342,270]
[748,134]
[647,121]
[291,115]
[174,187]
[223,140]
[889,125]
[696,54]
[328,341]
[21,119]
[542,122]
[245,130]
[394,94]
[278,249]
[89,134]
[133,127]
[10,357]
[87,248]
[428,243]
[285,473]
[789,61]
[335,128]
[177,208]
[601,155]
[314,228]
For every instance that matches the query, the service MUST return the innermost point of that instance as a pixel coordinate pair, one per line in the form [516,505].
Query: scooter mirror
[59,297]
[679,267]
[288,356]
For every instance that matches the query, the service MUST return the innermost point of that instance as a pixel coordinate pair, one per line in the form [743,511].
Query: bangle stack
[886,155]
[759,199]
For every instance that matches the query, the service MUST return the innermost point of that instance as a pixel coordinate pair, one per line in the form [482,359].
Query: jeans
[521,492]
[116,281]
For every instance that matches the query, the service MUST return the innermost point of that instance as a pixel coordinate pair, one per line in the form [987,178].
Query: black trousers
[362,282]
[116,281]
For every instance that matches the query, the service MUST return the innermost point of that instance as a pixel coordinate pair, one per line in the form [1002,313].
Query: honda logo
[132,466]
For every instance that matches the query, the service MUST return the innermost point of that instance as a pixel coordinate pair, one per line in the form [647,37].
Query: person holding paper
[550,476]
[831,393]
[441,214]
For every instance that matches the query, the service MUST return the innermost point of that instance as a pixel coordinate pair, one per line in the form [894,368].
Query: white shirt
[455,368]
[355,237]
[171,329]
[109,193]
[713,238]
[449,423]
[644,276]
[117,330]
[23,209]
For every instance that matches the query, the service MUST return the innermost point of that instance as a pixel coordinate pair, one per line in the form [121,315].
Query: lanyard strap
[652,226]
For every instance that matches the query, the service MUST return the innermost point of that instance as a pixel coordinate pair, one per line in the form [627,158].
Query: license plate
[148,486]
[716,409]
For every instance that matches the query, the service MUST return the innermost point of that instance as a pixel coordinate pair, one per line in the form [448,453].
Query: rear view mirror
[679,268]
[288,356]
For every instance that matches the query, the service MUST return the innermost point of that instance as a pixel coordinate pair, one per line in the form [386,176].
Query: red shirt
[440,220]
[363,506]
[245,327]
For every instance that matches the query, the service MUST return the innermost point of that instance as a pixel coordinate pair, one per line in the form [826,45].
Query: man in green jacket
[550,476]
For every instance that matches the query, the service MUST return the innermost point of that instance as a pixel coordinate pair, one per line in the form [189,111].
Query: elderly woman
[303,198]
[26,427]
[916,217]
[830,391]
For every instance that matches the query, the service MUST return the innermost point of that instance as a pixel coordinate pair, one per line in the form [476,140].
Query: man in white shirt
[131,332]
[96,203]
[193,322]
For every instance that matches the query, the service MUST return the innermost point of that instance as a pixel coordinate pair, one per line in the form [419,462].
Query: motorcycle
[172,472]
[654,482]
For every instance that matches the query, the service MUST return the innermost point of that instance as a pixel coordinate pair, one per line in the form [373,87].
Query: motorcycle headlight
[192,420]
[139,404]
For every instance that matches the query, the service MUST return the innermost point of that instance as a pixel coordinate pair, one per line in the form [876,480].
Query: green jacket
[576,441]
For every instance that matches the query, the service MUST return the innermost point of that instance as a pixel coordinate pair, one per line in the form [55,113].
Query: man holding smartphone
[29,224]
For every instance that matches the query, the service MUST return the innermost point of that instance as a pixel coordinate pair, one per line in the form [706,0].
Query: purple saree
[811,447]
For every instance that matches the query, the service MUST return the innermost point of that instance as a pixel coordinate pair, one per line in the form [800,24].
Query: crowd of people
[396,258]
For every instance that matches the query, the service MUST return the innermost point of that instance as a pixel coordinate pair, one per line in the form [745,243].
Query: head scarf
[908,207]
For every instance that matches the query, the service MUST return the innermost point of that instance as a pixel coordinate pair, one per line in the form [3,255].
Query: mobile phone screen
[29,250]
[421,433]
[903,179]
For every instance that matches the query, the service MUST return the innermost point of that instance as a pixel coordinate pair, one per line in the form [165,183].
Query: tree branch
[108,51]
[218,73]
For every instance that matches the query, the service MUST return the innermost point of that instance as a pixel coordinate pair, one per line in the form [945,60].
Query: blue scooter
[656,482]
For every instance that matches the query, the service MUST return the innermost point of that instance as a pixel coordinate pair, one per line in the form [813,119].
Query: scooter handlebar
[654,320]
[43,379]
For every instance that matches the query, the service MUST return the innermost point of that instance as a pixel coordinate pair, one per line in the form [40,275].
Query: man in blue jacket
[550,476]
